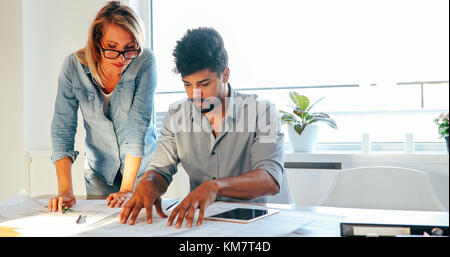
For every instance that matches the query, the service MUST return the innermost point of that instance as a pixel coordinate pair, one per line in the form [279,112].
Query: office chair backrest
[284,196]
[382,187]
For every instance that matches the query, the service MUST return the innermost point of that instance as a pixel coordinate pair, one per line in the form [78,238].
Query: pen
[170,206]
[65,209]
[78,220]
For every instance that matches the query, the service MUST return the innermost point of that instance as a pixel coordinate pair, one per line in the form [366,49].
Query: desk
[353,215]
[291,221]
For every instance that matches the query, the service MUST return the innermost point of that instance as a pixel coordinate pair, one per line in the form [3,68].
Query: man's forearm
[159,181]
[250,185]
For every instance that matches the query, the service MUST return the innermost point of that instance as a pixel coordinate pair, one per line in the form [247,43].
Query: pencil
[170,206]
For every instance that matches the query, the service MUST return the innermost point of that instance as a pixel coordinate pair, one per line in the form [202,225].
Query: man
[230,144]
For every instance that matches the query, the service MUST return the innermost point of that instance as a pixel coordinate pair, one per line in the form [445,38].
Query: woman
[112,80]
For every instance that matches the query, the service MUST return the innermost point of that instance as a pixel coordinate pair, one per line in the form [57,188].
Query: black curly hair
[199,49]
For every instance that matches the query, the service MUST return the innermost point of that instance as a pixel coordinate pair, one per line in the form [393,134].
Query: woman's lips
[118,65]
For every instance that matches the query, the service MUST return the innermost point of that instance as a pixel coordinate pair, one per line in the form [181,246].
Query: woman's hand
[119,199]
[130,170]
[62,200]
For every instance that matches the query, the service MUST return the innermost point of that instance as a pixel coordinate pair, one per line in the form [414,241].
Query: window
[383,66]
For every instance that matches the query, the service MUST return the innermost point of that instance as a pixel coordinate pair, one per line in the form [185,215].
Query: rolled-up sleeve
[165,157]
[140,115]
[64,122]
[267,151]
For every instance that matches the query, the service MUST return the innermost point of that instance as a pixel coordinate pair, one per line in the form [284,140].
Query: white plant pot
[304,142]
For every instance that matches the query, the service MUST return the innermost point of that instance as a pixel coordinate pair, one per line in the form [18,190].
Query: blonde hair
[112,13]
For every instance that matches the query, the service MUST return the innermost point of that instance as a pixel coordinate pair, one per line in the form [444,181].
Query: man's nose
[196,92]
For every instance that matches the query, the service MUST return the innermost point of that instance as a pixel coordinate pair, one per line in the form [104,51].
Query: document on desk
[111,226]
[279,224]
[30,217]
[275,225]
[20,206]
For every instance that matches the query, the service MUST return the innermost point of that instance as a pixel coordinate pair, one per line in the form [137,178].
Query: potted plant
[302,127]
[442,122]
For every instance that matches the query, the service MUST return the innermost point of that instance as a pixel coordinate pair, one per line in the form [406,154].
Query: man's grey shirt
[250,138]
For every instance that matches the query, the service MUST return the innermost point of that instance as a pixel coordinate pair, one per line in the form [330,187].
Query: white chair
[284,196]
[382,187]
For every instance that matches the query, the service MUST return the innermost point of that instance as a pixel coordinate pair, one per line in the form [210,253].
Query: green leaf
[329,121]
[312,105]
[300,101]
[299,128]
[288,118]
[293,96]
[301,114]
[320,115]
[443,130]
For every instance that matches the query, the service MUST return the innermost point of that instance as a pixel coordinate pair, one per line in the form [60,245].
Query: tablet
[242,215]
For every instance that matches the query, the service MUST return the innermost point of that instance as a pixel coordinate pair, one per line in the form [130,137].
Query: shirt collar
[86,69]
[231,112]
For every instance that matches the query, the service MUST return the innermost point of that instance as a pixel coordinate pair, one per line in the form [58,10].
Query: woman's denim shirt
[130,130]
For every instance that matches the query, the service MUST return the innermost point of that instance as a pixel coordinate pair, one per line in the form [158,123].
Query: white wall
[52,29]
[12,152]
[35,36]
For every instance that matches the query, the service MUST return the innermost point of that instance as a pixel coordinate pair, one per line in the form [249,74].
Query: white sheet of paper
[274,225]
[30,217]
[19,206]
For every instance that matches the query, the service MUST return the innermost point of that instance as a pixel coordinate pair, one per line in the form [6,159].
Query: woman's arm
[130,170]
[139,119]
[141,111]
[63,129]
[64,176]
[65,191]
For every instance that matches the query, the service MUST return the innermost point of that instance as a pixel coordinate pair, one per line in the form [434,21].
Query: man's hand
[146,196]
[203,196]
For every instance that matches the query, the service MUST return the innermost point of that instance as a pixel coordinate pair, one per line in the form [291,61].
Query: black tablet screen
[241,214]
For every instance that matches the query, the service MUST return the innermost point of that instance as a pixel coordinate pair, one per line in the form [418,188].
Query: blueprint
[27,216]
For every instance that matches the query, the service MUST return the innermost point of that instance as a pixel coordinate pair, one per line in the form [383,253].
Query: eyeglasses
[113,54]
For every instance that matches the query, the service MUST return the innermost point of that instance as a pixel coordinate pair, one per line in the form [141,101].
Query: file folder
[367,229]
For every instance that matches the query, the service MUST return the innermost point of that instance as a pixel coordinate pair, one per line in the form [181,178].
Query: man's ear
[226,75]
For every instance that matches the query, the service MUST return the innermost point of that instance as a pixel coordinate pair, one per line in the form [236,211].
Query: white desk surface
[353,215]
[291,221]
